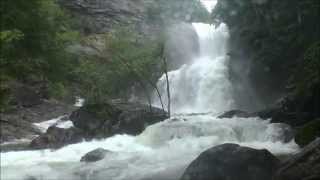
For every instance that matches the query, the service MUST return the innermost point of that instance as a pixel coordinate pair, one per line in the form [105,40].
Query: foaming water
[162,151]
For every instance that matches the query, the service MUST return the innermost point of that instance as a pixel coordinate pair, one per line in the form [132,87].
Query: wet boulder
[94,117]
[302,166]
[232,162]
[95,155]
[56,137]
[235,113]
[116,117]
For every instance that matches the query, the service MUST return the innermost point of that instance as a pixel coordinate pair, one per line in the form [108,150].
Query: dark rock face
[95,155]
[235,113]
[104,120]
[24,96]
[232,162]
[18,123]
[101,16]
[302,166]
[182,45]
[252,42]
[277,115]
[56,138]
[285,110]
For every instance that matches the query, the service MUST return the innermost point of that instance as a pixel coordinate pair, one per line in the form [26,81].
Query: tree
[33,36]
[128,59]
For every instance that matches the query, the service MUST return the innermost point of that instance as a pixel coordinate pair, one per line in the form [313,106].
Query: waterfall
[202,85]
[165,149]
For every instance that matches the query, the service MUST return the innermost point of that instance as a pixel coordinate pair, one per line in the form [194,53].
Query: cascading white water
[203,85]
[161,152]
[164,149]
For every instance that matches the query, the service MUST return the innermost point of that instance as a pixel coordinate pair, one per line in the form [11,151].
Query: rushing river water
[163,150]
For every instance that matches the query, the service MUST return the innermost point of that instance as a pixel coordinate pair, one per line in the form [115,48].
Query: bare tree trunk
[168,85]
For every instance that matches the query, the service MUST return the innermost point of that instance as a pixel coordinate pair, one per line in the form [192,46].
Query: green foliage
[276,31]
[7,37]
[57,90]
[33,36]
[127,59]
[307,77]
[308,133]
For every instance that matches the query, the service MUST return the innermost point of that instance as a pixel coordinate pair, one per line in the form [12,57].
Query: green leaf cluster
[34,35]
[127,59]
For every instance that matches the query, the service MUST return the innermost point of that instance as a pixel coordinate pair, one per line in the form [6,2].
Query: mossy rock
[103,111]
[308,133]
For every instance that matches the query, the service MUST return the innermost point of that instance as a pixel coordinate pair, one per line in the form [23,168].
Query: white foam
[79,102]
[58,122]
[209,4]
[163,150]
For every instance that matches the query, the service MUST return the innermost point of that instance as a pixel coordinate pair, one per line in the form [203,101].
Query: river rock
[95,155]
[285,111]
[302,166]
[235,113]
[56,138]
[116,117]
[18,124]
[232,162]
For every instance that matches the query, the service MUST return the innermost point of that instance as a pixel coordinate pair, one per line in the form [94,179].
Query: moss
[308,133]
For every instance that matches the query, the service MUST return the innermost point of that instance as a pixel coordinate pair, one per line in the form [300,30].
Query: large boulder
[235,113]
[232,162]
[95,118]
[107,119]
[287,110]
[56,137]
[95,155]
[302,166]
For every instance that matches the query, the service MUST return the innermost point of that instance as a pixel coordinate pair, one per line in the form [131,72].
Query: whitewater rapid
[200,91]
[161,152]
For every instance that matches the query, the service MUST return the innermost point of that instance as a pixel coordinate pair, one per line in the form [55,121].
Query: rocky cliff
[269,43]
[146,16]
